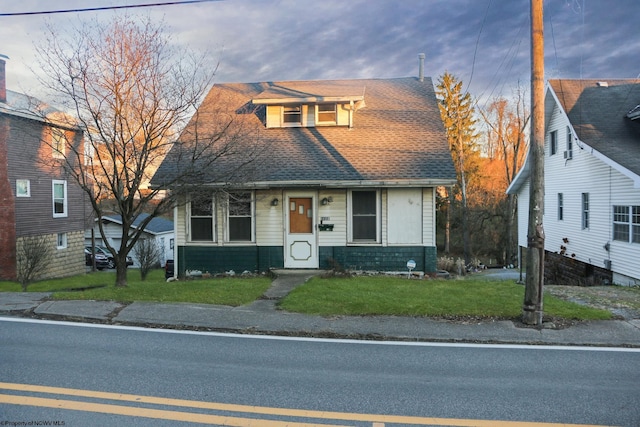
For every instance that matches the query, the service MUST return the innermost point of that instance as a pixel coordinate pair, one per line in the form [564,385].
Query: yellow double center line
[133,411]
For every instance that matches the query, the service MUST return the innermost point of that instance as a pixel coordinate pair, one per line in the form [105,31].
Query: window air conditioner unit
[568,155]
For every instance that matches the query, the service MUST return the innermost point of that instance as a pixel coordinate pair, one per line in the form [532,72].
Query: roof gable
[598,111]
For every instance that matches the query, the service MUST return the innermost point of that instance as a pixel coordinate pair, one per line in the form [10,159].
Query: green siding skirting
[223,259]
[262,258]
[378,258]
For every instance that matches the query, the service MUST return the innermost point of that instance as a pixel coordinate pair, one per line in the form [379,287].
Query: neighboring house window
[62,241]
[23,188]
[240,217]
[585,210]
[569,154]
[554,142]
[621,223]
[560,207]
[59,198]
[364,216]
[58,142]
[202,218]
[291,115]
[326,113]
[635,224]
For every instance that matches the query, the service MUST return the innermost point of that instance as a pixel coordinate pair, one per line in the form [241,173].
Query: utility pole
[532,308]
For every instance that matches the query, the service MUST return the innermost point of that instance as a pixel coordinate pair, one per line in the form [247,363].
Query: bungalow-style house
[591,182]
[347,178]
[36,197]
[160,230]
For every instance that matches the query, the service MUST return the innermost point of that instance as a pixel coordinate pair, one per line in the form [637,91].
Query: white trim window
[292,115]
[553,142]
[23,188]
[560,207]
[202,220]
[61,241]
[364,216]
[569,152]
[585,211]
[626,224]
[326,114]
[240,217]
[59,198]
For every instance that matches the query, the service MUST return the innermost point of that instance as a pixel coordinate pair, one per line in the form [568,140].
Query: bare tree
[132,91]
[507,143]
[147,253]
[33,259]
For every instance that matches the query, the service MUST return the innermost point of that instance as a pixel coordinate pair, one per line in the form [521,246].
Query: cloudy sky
[485,43]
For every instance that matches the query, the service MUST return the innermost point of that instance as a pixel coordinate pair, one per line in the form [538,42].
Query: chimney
[3,79]
[421,67]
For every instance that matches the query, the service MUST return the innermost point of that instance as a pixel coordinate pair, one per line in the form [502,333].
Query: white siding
[268,223]
[336,212]
[405,223]
[584,173]
[428,217]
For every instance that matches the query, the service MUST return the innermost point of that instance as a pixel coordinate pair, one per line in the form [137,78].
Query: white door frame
[301,249]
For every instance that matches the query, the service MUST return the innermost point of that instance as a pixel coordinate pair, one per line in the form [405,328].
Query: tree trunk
[121,271]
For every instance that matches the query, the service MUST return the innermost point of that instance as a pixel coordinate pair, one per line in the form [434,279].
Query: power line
[93,9]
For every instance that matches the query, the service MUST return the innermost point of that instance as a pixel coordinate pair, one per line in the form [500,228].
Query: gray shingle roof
[155,226]
[599,114]
[397,136]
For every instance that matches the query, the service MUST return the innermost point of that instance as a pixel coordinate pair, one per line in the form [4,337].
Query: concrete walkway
[263,317]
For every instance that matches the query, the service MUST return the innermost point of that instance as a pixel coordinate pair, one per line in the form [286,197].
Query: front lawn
[383,295]
[233,291]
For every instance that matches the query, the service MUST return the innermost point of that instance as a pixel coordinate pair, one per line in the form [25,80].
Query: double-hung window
[569,152]
[621,223]
[292,115]
[585,211]
[201,219]
[364,216]
[553,143]
[240,218]
[635,224]
[326,114]
[59,190]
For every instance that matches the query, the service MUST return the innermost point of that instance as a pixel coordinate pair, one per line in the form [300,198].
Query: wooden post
[532,309]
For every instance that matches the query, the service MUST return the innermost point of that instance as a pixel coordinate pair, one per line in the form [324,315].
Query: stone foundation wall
[65,262]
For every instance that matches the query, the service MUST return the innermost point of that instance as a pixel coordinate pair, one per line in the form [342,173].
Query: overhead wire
[93,9]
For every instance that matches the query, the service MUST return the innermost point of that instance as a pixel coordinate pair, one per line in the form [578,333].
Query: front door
[301,250]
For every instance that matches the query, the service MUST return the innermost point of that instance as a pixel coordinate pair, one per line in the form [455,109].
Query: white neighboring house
[159,229]
[592,182]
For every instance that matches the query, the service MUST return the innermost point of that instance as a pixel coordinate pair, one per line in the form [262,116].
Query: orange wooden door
[300,215]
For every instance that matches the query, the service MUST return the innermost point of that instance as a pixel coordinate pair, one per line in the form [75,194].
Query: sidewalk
[262,317]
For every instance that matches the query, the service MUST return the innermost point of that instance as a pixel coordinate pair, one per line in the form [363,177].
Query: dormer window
[326,114]
[291,115]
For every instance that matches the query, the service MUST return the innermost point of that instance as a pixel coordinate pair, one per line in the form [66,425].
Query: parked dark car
[168,269]
[102,261]
[111,262]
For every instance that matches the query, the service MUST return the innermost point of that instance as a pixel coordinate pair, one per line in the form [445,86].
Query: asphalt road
[274,378]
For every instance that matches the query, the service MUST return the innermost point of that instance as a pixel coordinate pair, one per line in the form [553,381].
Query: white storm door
[300,249]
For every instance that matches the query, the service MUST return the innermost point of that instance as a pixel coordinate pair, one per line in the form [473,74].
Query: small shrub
[33,258]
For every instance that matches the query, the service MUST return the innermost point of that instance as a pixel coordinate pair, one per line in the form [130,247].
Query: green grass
[380,295]
[360,295]
[233,291]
